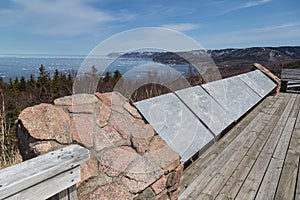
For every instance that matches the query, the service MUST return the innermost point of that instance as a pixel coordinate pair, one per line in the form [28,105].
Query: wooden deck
[257,159]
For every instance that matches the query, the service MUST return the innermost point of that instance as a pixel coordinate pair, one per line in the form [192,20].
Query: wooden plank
[21,176]
[235,181]
[207,157]
[49,187]
[218,181]
[297,195]
[287,182]
[73,192]
[251,184]
[293,85]
[288,179]
[203,179]
[269,183]
[64,195]
[245,138]
[290,74]
[230,178]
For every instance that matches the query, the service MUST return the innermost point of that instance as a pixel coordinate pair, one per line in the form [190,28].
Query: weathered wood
[297,195]
[218,181]
[268,170]
[239,174]
[64,195]
[288,178]
[50,187]
[290,74]
[40,170]
[68,194]
[290,78]
[72,193]
[269,183]
[252,183]
[287,182]
[197,168]
[233,150]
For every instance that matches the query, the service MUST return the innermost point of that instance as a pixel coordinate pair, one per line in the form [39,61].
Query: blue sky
[77,26]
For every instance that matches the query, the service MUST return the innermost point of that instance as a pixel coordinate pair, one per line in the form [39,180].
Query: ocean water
[12,66]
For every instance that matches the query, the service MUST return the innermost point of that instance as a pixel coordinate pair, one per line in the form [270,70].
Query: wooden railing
[53,175]
[290,78]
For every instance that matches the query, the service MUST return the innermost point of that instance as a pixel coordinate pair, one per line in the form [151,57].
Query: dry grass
[13,158]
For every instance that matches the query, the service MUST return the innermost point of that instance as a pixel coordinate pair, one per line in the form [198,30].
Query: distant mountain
[144,54]
[233,57]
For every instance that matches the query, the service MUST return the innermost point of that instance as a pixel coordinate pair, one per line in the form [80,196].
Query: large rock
[47,122]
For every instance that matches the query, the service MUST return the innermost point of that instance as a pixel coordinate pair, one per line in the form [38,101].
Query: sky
[75,27]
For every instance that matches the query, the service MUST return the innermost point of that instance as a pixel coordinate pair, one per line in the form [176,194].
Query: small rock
[147,194]
[142,173]
[88,169]
[42,147]
[104,115]
[163,155]
[132,110]
[111,191]
[115,161]
[82,108]
[174,195]
[159,185]
[83,129]
[76,100]
[106,137]
[105,98]
[118,99]
[141,137]
[162,196]
[122,124]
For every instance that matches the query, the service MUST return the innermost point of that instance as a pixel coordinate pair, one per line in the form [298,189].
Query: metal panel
[259,82]
[176,124]
[205,108]
[233,95]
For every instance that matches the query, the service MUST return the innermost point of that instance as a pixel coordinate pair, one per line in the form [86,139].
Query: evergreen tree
[22,84]
[107,77]
[117,74]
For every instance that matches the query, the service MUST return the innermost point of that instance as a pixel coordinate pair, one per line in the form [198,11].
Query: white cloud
[224,7]
[273,34]
[182,27]
[57,17]
[254,3]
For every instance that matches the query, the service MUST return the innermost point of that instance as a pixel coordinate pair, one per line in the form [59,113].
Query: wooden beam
[52,169]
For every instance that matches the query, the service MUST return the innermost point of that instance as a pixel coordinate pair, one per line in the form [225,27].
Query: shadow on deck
[257,159]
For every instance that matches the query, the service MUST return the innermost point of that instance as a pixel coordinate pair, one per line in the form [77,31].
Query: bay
[12,66]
